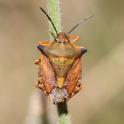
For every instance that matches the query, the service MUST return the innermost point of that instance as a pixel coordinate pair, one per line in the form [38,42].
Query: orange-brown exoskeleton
[60,66]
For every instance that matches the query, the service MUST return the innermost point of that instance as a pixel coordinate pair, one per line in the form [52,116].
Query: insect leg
[37,61]
[44,43]
[77,88]
[73,38]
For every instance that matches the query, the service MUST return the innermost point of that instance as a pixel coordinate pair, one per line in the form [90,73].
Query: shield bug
[60,65]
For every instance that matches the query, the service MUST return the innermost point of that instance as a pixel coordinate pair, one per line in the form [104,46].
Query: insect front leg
[73,38]
[44,43]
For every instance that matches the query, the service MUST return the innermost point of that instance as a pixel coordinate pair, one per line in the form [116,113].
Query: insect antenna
[82,20]
[49,19]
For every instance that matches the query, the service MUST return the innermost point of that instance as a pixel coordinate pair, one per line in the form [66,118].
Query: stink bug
[60,65]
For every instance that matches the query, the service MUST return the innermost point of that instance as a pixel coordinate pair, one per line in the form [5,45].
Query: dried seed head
[58,95]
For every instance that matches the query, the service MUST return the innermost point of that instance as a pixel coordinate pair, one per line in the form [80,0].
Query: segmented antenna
[49,19]
[82,20]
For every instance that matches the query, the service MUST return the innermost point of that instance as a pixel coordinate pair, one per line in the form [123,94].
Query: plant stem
[54,12]
[44,115]
[63,113]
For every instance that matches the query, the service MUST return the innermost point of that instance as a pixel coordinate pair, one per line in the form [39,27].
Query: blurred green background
[22,24]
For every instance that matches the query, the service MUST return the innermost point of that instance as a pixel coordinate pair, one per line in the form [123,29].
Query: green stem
[54,12]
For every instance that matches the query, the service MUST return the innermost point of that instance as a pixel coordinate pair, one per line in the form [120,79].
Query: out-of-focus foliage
[101,101]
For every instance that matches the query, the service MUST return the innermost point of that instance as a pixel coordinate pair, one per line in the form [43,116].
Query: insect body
[60,67]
